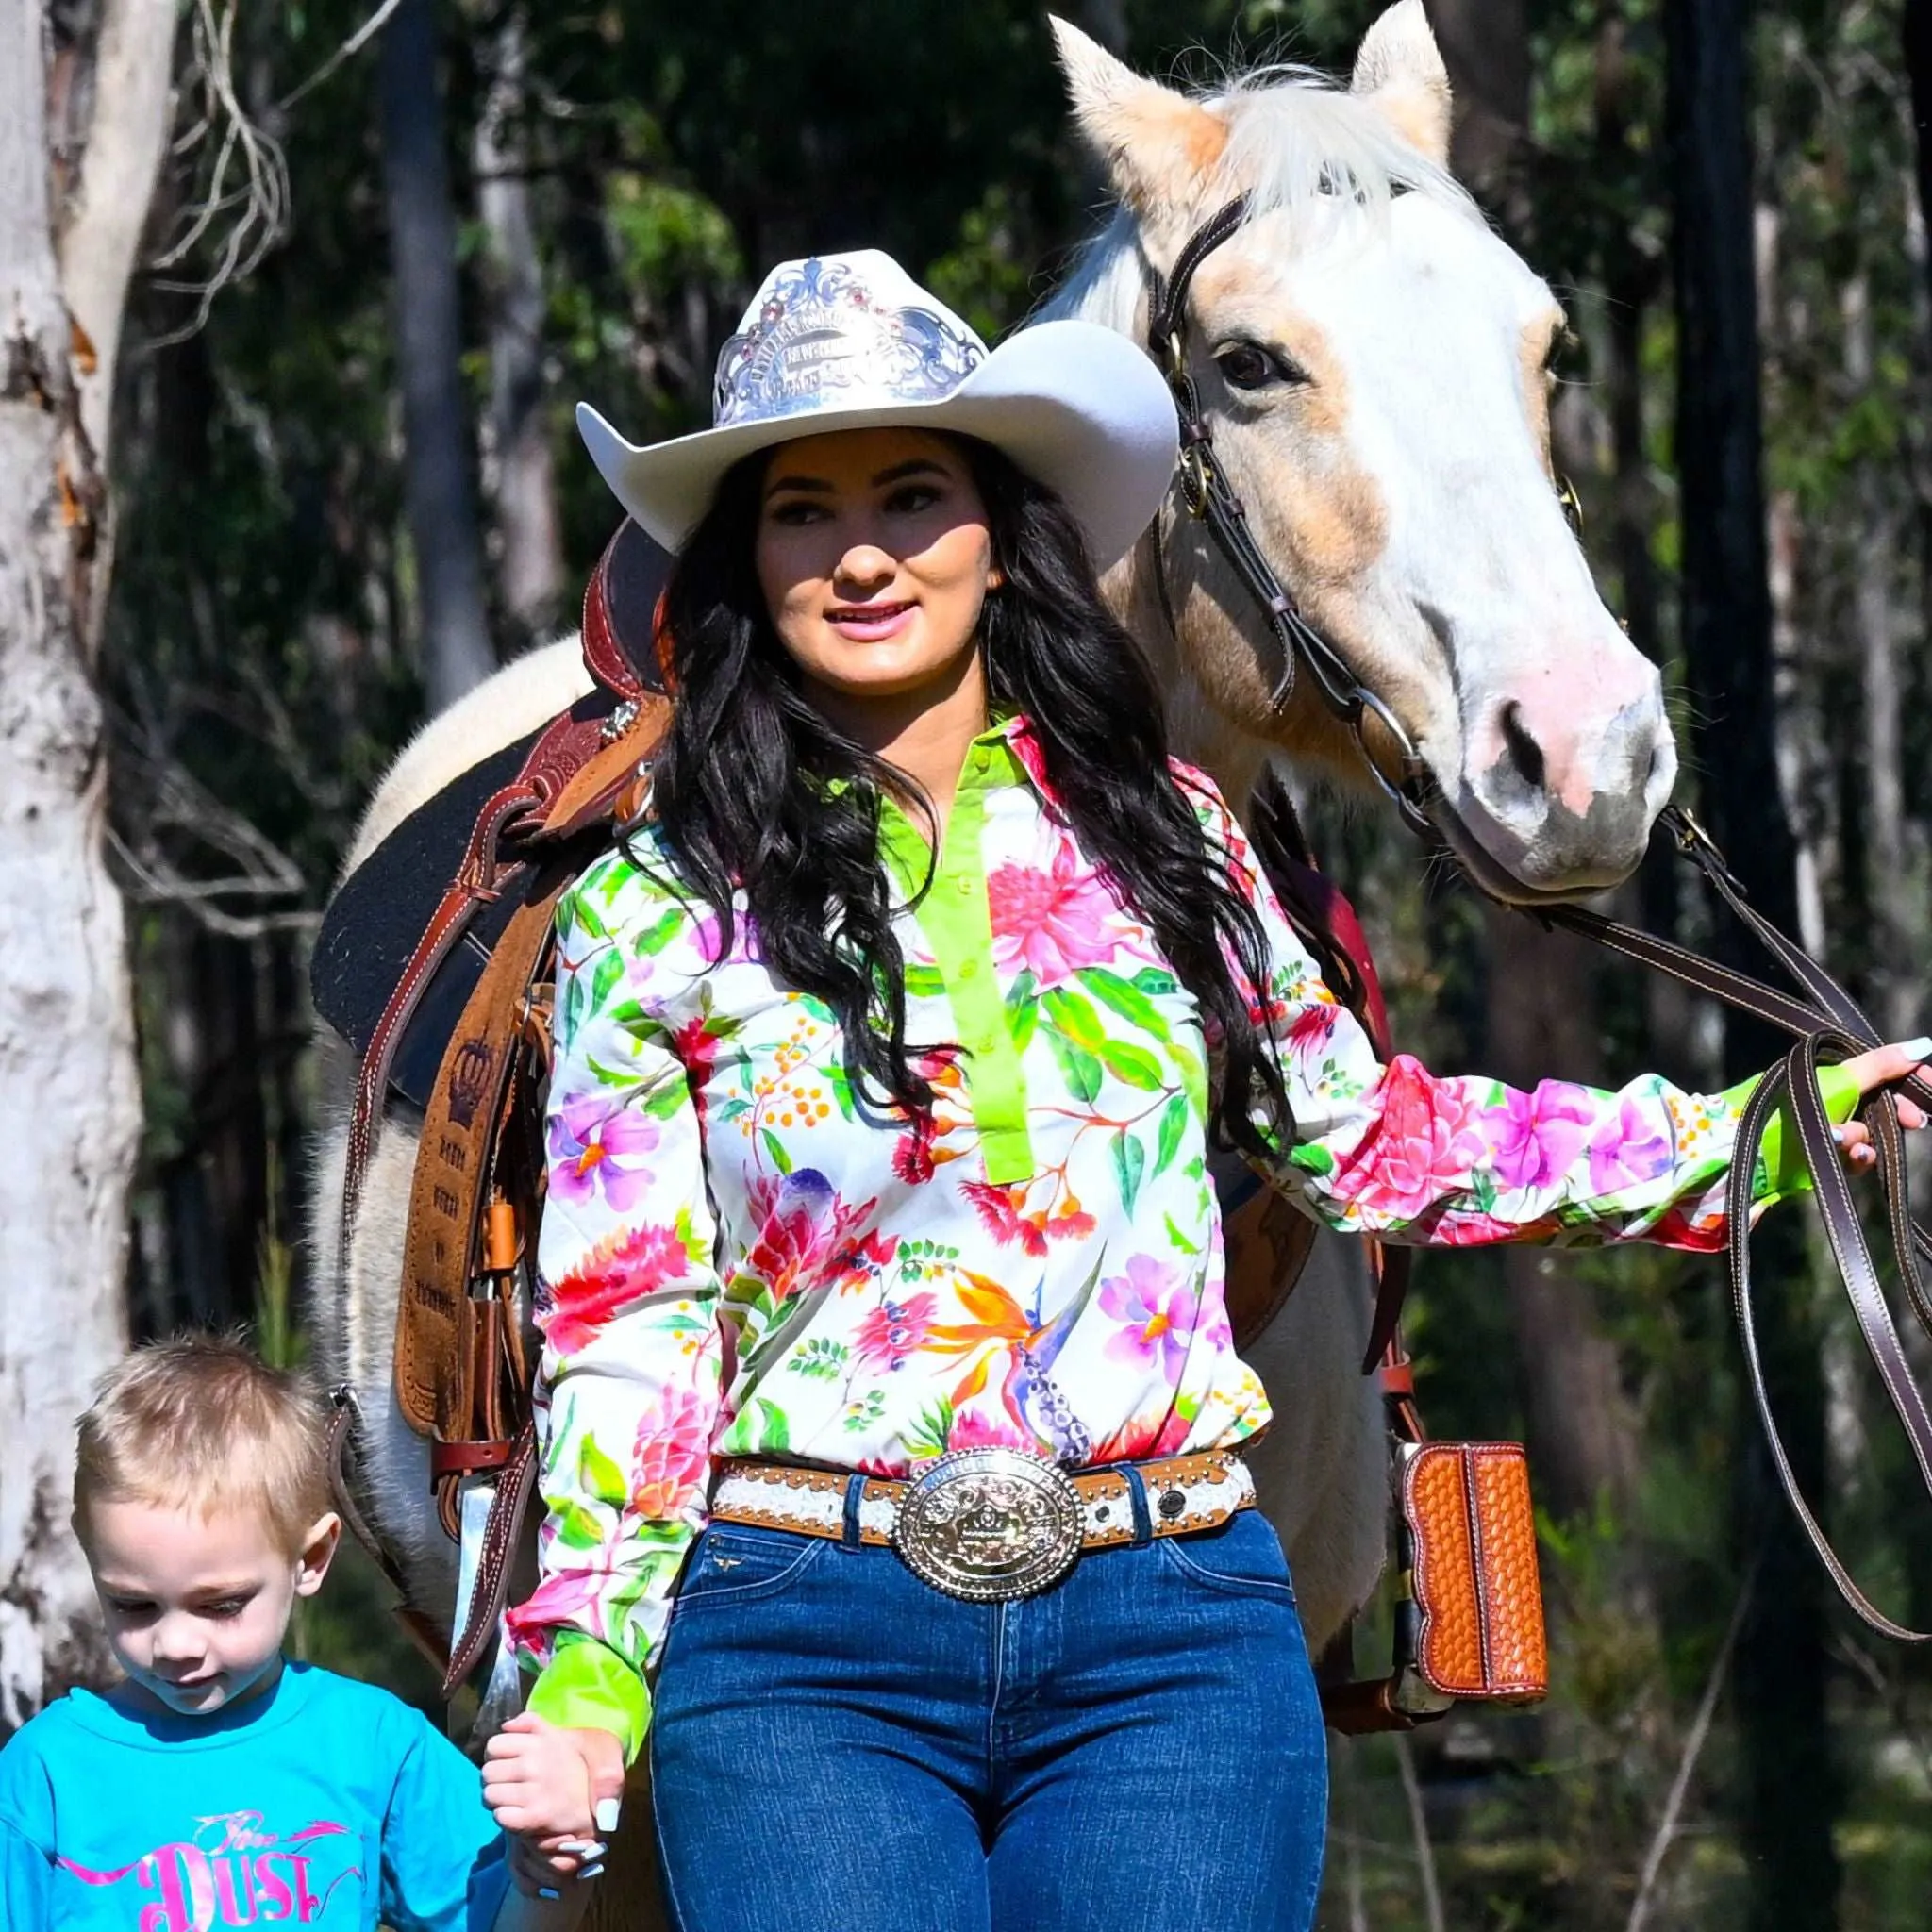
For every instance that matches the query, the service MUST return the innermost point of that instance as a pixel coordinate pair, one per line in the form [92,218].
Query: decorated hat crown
[839,331]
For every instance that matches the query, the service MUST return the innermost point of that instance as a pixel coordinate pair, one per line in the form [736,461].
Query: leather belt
[990,1525]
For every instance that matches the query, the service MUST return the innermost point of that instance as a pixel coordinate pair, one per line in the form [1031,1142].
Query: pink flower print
[1536,1136]
[597,1145]
[999,1213]
[1157,1309]
[671,1455]
[985,1429]
[912,1151]
[895,1330]
[1627,1147]
[1424,1142]
[807,1235]
[1055,921]
[621,1269]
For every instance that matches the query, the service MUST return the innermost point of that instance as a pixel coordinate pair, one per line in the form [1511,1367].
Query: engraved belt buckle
[989,1526]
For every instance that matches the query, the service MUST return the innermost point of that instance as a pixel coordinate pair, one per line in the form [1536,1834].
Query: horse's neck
[1198,731]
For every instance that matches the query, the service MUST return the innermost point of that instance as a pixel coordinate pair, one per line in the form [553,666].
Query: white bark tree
[73,201]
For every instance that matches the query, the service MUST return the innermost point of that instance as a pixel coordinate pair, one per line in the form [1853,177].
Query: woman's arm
[1396,1151]
[628,1388]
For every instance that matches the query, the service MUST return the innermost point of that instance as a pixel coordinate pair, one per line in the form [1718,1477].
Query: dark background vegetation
[349,485]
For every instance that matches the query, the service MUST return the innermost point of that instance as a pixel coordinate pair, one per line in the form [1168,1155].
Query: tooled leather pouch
[1472,1626]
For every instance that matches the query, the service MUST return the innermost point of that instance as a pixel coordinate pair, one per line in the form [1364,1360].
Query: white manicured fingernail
[549,1892]
[608,1809]
[588,1873]
[1919,1049]
[581,1847]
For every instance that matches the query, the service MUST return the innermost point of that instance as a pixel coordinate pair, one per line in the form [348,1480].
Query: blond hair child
[221,1784]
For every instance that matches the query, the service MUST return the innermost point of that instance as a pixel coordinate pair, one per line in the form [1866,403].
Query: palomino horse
[1372,361]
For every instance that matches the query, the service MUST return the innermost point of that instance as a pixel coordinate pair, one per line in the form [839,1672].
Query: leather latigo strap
[1185,1494]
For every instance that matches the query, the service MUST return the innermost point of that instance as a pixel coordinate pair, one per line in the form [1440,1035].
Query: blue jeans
[838,1748]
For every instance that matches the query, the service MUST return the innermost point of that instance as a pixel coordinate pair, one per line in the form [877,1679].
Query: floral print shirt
[734,1263]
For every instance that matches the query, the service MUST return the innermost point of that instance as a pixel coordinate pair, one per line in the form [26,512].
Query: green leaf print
[821,1358]
[668,1096]
[655,938]
[1129,1159]
[1174,1124]
[583,917]
[1178,1239]
[600,1476]
[1079,1068]
[1156,980]
[775,1433]
[1022,1009]
[924,982]
[776,1148]
[577,1528]
[1129,1001]
[571,1011]
[930,1434]
[1312,1158]
[1075,1018]
[1133,1064]
[841,1092]
[608,971]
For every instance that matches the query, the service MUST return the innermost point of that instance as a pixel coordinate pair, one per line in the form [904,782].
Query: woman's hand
[1880,1068]
[558,1792]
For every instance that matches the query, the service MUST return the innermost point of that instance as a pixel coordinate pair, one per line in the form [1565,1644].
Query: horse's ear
[1155,143]
[1400,72]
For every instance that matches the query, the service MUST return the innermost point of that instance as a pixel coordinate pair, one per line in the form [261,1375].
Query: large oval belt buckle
[990,1525]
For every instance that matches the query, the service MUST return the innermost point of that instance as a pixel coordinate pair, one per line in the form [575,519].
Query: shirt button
[969,969]
[963,886]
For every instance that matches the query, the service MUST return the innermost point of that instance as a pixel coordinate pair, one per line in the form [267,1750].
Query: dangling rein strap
[1830,1026]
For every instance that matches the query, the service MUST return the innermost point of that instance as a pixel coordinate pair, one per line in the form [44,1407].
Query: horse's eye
[1247,365]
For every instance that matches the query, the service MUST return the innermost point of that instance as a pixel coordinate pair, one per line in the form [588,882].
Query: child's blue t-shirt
[323,1802]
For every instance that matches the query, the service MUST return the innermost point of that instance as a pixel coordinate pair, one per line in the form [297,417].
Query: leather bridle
[1825,1021]
[1211,499]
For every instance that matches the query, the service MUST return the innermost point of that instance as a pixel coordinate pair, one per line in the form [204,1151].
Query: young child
[221,1784]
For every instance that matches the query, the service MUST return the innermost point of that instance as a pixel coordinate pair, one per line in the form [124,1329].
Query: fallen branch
[1419,1825]
[1687,1763]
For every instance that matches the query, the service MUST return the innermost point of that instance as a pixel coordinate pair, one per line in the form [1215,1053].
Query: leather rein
[1826,1023]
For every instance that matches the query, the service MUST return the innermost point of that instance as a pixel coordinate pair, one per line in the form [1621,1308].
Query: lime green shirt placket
[957,920]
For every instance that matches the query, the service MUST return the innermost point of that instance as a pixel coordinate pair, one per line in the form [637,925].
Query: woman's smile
[872,624]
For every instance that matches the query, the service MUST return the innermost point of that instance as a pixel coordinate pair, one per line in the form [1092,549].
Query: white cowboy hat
[852,342]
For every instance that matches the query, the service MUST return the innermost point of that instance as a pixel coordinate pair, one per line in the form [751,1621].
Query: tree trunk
[1790,1792]
[531,563]
[439,486]
[1485,46]
[1918,51]
[1583,1435]
[67,1062]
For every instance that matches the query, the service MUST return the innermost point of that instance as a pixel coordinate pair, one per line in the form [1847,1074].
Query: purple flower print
[1628,1147]
[598,1147]
[1157,1309]
[1534,1137]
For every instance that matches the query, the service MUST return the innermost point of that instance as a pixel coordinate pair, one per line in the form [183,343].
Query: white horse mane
[1299,143]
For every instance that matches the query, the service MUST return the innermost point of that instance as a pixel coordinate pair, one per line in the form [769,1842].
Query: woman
[889,1049]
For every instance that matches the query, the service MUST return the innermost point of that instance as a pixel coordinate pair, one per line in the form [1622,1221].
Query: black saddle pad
[382,909]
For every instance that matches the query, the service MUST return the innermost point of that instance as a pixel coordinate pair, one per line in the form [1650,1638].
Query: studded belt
[990,1525]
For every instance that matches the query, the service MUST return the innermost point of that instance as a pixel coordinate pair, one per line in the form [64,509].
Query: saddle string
[1828,1022]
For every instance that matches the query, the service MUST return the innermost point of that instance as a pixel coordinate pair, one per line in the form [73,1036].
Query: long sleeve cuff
[587,1686]
[1781,1161]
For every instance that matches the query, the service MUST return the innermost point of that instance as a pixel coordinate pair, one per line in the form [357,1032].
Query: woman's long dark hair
[744,788]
